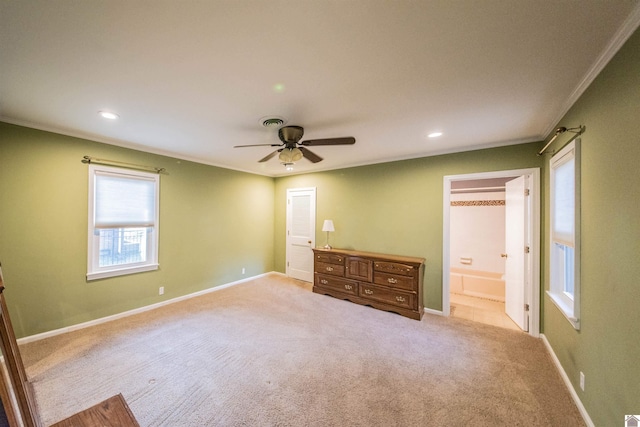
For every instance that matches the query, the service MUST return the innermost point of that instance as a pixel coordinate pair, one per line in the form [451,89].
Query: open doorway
[491,248]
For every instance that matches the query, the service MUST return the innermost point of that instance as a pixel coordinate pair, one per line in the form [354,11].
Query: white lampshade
[328,225]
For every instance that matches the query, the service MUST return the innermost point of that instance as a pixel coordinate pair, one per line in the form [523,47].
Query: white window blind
[564,197]
[124,201]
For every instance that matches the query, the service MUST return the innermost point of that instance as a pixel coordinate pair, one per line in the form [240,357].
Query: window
[123,222]
[564,289]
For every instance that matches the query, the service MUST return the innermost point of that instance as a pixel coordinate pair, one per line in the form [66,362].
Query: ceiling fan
[293,150]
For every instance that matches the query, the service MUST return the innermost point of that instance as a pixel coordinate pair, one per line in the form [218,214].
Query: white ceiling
[191,79]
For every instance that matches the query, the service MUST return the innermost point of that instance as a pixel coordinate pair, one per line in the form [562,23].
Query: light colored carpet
[270,352]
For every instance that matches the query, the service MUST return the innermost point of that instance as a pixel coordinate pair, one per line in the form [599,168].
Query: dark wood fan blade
[257,145]
[264,159]
[310,155]
[348,140]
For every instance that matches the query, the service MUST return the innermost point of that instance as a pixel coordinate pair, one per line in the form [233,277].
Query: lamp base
[327,246]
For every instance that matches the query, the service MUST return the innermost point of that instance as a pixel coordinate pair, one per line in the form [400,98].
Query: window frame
[568,304]
[94,271]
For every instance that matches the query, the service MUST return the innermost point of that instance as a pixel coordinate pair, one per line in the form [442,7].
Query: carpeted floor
[271,353]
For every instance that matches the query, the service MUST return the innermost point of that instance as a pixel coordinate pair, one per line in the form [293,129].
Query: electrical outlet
[242,270]
[582,380]
[161,290]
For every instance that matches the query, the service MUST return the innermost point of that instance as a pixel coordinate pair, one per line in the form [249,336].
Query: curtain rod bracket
[89,160]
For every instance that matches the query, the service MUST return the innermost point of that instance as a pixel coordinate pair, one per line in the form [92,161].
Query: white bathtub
[476,283]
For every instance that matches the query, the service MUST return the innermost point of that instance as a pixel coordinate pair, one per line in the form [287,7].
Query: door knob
[503,255]
[309,242]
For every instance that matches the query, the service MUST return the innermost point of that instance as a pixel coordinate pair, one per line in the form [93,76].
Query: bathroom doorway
[491,248]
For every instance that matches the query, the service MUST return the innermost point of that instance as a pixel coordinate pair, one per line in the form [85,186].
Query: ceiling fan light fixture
[296,154]
[290,155]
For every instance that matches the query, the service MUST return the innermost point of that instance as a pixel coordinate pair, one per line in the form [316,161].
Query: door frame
[290,191]
[533,292]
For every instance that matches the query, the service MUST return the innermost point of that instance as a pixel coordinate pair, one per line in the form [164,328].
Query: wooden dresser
[386,282]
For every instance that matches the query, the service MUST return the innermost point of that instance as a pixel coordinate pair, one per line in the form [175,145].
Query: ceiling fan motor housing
[290,134]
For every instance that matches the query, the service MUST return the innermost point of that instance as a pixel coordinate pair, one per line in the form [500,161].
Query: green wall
[394,207]
[607,347]
[213,222]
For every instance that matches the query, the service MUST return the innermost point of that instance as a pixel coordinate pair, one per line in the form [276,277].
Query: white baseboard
[432,311]
[64,330]
[568,383]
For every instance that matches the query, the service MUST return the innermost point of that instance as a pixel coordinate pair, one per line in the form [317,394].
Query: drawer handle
[392,280]
[348,287]
[329,268]
[401,299]
[368,291]
[324,282]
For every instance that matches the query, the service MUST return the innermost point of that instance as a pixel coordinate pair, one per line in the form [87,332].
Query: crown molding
[628,27]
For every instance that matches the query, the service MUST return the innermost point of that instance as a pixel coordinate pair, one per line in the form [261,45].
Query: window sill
[121,271]
[565,309]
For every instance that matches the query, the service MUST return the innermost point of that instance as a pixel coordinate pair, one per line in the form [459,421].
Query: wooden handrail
[26,408]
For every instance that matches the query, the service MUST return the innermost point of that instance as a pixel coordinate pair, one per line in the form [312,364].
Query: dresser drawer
[330,258]
[394,281]
[395,268]
[332,269]
[336,284]
[388,296]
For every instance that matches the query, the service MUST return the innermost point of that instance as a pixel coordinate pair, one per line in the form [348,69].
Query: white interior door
[516,254]
[301,236]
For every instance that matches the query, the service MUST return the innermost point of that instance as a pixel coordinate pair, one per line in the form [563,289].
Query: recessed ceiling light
[108,115]
[434,134]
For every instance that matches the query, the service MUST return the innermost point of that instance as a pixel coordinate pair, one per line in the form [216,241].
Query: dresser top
[378,256]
